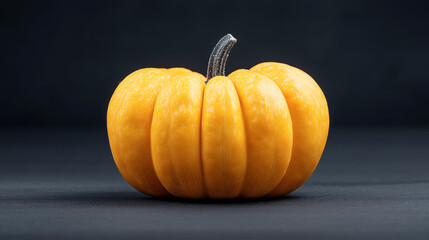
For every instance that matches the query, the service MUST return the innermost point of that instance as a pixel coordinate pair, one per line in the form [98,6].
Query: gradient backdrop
[61,60]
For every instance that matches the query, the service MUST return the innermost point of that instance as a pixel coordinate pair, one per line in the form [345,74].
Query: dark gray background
[61,60]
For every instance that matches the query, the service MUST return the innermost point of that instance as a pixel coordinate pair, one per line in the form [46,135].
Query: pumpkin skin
[256,133]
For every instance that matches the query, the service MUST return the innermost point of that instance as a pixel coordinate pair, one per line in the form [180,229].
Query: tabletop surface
[63,184]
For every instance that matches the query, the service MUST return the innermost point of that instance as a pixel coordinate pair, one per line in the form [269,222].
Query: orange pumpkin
[258,132]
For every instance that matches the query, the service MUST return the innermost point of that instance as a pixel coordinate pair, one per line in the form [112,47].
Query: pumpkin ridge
[301,166]
[184,166]
[113,110]
[177,76]
[223,145]
[222,163]
[245,137]
[272,170]
[273,162]
[127,83]
[179,184]
[263,106]
[177,112]
[292,132]
[284,175]
[150,140]
[201,143]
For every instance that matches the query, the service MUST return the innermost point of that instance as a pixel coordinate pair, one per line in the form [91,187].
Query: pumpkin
[255,133]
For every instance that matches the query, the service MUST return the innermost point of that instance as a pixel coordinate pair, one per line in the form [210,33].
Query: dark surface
[370,184]
[61,60]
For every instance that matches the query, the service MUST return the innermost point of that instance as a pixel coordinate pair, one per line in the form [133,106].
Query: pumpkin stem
[217,60]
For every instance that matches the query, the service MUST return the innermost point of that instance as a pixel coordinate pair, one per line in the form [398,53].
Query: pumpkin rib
[201,143]
[126,171]
[263,142]
[273,163]
[303,93]
[223,144]
[177,72]
[176,123]
[168,132]
[117,136]
[292,156]
[174,72]
[268,194]
[245,138]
